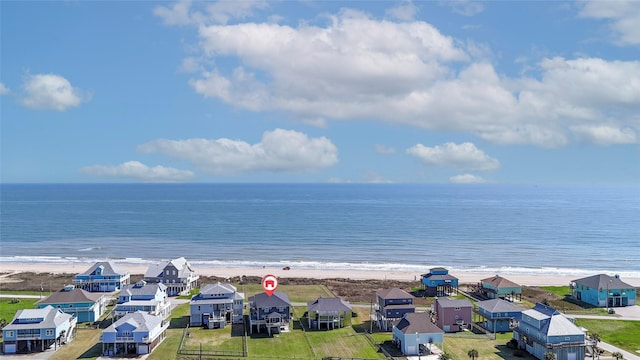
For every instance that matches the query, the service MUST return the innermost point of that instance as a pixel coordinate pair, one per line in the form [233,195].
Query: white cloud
[279,150]
[404,11]
[139,171]
[464,7]
[606,135]
[467,179]
[357,67]
[373,177]
[461,156]
[183,12]
[623,16]
[384,149]
[50,91]
[3,89]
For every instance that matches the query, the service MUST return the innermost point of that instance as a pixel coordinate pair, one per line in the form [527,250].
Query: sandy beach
[464,277]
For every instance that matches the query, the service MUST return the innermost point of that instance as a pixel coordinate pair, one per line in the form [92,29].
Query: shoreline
[229,272]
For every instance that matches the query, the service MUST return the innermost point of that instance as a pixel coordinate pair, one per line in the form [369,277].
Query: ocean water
[568,230]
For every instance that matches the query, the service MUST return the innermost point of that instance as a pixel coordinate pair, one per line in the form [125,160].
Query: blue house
[35,330]
[497,287]
[438,282]
[391,305]
[134,334]
[103,276]
[216,305]
[85,306]
[604,291]
[544,329]
[272,313]
[498,315]
[416,334]
[150,298]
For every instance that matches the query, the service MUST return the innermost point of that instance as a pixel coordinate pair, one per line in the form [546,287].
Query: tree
[549,356]
[473,354]
[618,355]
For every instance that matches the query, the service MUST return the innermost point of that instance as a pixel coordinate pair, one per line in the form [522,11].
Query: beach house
[452,315]
[135,333]
[544,329]
[415,334]
[36,330]
[328,313]
[103,276]
[438,282]
[497,315]
[216,305]
[141,296]
[604,291]
[85,306]
[272,313]
[390,307]
[177,275]
[497,287]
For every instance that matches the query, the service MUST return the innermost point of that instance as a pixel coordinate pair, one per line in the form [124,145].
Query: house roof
[75,295]
[51,318]
[561,326]
[444,277]
[393,293]
[108,269]
[218,288]
[277,299]
[142,288]
[328,305]
[499,282]
[183,266]
[139,320]
[602,281]
[453,303]
[419,322]
[498,305]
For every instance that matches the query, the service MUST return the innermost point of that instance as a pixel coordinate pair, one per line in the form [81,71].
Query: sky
[453,91]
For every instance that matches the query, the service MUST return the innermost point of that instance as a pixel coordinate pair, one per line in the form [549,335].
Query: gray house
[497,315]
[328,313]
[272,313]
[391,305]
[177,275]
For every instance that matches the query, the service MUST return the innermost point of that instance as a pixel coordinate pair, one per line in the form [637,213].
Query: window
[49,332]
[174,272]
[9,333]
[457,308]
[126,333]
[167,272]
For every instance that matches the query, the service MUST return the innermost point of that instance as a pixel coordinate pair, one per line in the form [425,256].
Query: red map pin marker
[269,284]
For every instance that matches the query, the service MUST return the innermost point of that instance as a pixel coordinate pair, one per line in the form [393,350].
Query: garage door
[9,348]
[144,349]
[571,356]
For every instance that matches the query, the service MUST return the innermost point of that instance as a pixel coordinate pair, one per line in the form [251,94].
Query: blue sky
[285,91]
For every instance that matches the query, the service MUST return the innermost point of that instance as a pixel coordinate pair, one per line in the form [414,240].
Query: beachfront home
[497,315]
[135,333]
[452,315]
[497,287]
[391,305]
[177,275]
[35,330]
[150,298]
[103,276]
[328,313]
[216,305]
[272,313]
[544,329]
[604,291]
[415,334]
[85,306]
[438,282]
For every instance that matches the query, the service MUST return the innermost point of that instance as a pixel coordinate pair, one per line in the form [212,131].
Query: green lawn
[624,334]
[560,291]
[86,345]
[343,342]
[8,310]
[487,349]
[296,293]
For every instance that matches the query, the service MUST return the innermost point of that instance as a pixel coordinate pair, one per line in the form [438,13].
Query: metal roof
[419,322]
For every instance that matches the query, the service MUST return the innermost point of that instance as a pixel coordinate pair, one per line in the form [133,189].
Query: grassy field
[296,293]
[487,349]
[86,345]
[621,333]
[8,310]
[560,291]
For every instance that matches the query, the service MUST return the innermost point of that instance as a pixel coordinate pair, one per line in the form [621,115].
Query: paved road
[610,348]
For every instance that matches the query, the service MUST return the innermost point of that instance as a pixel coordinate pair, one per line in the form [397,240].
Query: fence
[209,353]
